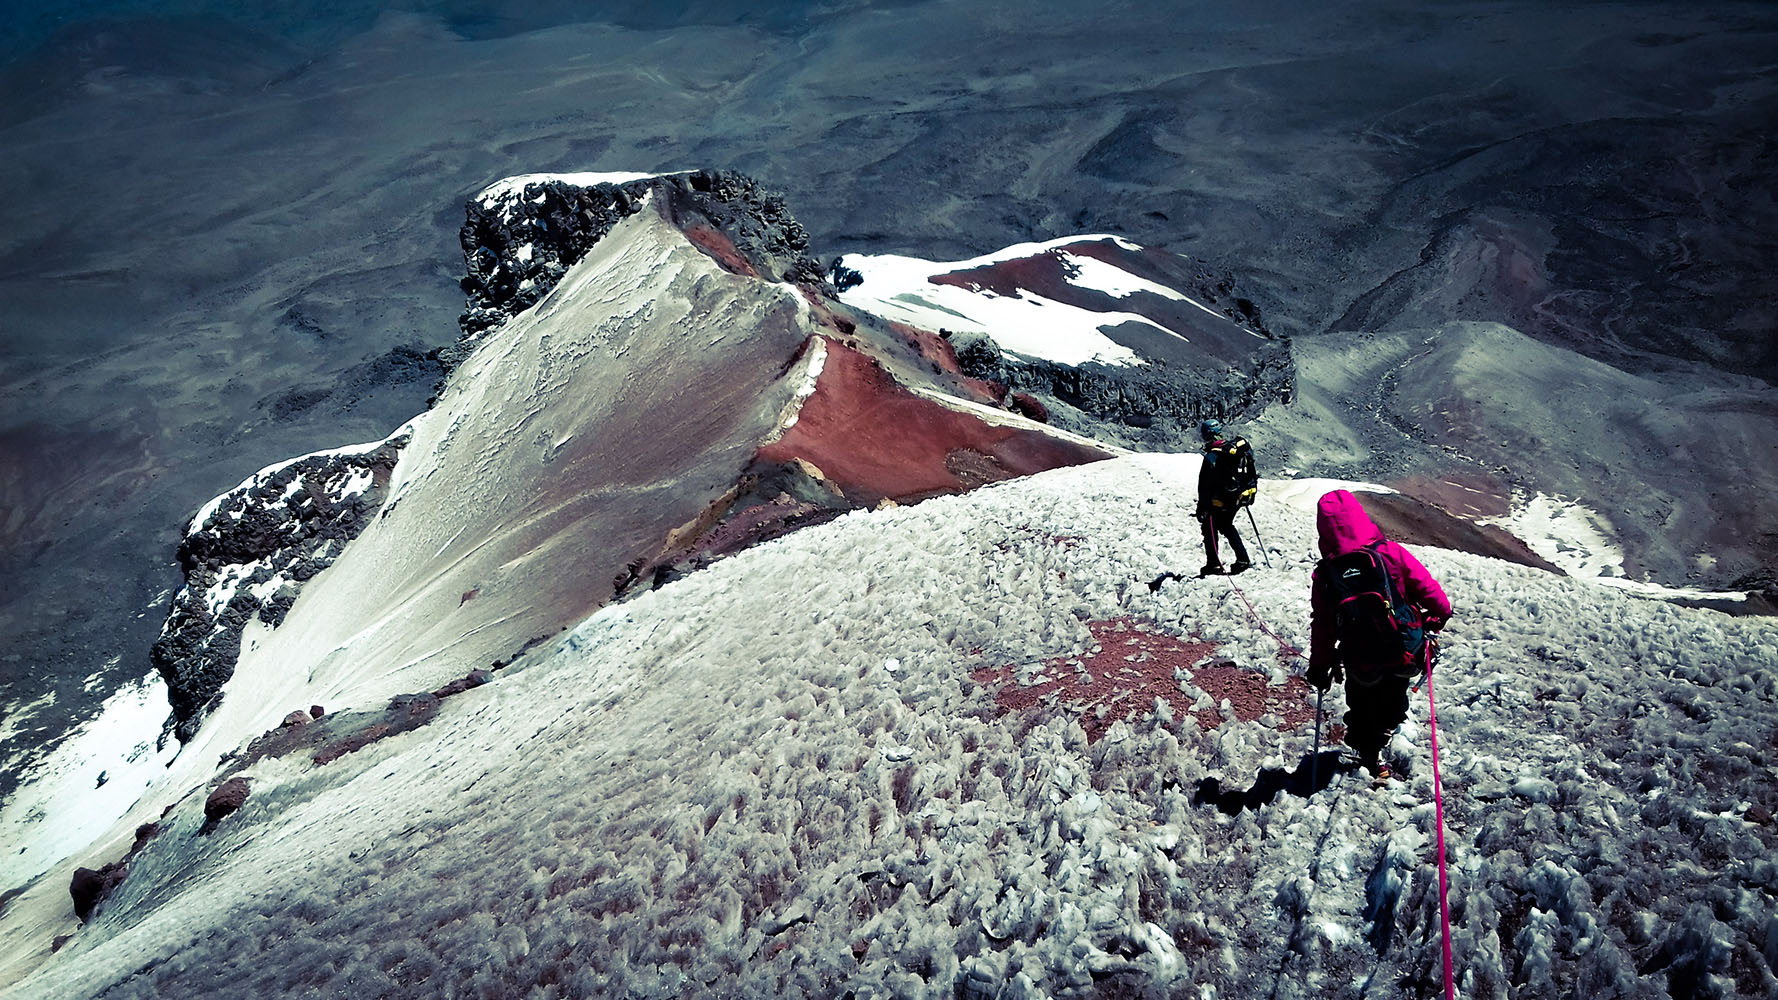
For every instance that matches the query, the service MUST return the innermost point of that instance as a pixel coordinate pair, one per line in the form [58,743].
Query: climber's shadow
[1273,780]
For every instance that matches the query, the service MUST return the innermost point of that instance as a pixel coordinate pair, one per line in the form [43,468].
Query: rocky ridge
[520,236]
[248,553]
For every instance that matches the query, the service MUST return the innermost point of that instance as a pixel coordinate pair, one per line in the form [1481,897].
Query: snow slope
[782,776]
[543,468]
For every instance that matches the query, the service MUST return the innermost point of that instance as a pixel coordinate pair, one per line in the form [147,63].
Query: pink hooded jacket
[1345,527]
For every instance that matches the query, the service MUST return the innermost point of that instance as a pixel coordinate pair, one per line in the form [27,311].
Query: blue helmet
[1210,428]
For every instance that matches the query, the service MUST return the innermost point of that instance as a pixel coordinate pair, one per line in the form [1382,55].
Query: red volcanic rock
[316,711]
[89,888]
[1043,274]
[474,679]
[1026,405]
[720,248]
[228,797]
[297,718]
[353,743]
[875,440]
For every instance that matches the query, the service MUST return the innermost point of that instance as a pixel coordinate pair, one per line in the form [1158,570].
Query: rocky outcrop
[89,887]
[1170,398]
[520,236]
[248,553]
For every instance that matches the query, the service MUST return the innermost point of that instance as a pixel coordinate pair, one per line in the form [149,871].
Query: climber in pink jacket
[1371,605]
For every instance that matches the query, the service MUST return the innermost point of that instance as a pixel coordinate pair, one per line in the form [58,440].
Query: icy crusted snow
[811,378]
[724,788]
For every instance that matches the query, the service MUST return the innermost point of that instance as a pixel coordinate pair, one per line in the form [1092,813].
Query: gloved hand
[1247,496]
[1433,623]
[1323,675]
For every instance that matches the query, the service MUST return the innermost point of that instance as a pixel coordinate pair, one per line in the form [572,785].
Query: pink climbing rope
[1263,627]
[1438,798]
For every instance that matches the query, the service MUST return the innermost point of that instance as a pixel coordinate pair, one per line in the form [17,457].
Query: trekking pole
[1315,754]
[1267,556]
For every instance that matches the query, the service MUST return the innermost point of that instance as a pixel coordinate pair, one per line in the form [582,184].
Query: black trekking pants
[1221,521]
[1373,711]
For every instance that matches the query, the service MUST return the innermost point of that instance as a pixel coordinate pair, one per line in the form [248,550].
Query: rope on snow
[1438,798]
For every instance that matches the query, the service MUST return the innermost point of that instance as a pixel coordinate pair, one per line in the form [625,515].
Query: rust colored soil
[875,440]
[1129,667]
[940,352]
[720,248]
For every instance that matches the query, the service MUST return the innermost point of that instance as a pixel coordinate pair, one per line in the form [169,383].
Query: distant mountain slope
[1678,471]
[1127,343]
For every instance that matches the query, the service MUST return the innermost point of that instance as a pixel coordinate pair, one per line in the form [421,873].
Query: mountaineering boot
[1240,566]
[1382,774]
[1211,569]
[1372,761]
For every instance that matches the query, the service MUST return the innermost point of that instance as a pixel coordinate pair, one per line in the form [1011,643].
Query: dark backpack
[1379,633]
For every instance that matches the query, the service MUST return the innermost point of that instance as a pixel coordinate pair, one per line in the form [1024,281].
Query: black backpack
[1379,633]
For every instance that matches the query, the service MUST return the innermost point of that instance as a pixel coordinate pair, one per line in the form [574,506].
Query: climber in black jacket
[1226,483]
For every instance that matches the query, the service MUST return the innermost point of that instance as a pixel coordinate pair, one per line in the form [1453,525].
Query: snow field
[775,777]
[1029,325]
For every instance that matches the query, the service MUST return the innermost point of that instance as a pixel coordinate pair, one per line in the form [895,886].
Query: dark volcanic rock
[1173,395]
[247,556]
[89,888]
[405,712]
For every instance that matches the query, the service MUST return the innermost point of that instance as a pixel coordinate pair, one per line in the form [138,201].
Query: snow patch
[62,804]
[514,186]
[1579,540]
[811,378]
[1029,325]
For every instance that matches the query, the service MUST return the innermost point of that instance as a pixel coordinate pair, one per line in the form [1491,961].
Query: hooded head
[1210,428]
[1343,525]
